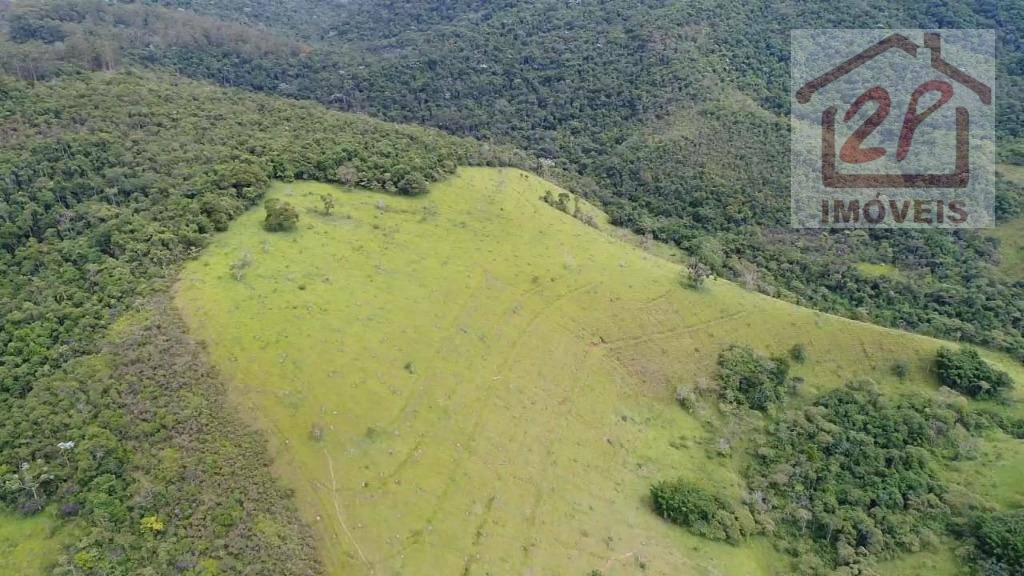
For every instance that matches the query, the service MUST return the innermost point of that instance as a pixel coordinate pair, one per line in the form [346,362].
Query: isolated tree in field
[281,216]
[238,267]
[900,369]
[798,353]
[697,273]
[327,202]
[563,201]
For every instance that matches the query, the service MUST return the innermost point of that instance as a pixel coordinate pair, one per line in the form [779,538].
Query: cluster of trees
[688,504]
[946,286]
[49,38]
[853,475]
[965,371]
[569,204]
[748,378]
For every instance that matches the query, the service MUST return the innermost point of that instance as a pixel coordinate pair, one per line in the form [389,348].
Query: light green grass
[29,546]
[494,380]
[941,562]
[1011,247]
[871,270]
[1011,172]
[1011,234]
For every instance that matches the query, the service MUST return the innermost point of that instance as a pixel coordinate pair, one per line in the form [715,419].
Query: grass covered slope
[471,381]
[29,546]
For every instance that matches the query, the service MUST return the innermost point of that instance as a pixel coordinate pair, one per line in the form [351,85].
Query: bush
[69,510]
[281,216]
[31,507]
[750,379]
[900,369]
[412,185]
[327,203]
[686,504]
[239,267]
[966,372]
[686,397]
[798,353]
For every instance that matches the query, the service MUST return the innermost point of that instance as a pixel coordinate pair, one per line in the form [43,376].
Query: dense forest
[671,115]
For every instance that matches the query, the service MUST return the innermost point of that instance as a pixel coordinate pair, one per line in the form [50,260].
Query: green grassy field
[871,270]
[1011,247]
[29,546]
[472,382]
[1011,234]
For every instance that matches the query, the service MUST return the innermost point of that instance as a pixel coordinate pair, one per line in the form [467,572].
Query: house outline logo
[958,177]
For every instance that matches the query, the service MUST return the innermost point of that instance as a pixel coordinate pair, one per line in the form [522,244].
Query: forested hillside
[109,182]
[132,132]
[672,114]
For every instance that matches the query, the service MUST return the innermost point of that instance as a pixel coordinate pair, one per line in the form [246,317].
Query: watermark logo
[893,128]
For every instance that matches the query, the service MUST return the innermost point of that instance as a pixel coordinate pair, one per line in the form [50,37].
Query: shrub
[564,202]
[900,369]
[686,397]
[585,217]
[966,372]
[327,204]
[412,185]
[750,379]
[281,216]
[686,504]
[798,353]
[239,267]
